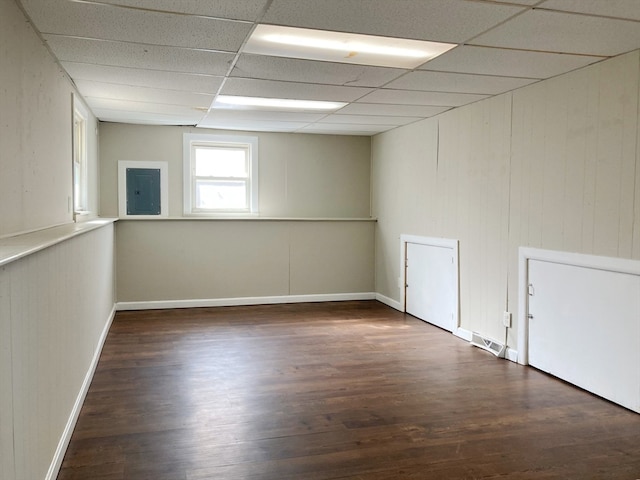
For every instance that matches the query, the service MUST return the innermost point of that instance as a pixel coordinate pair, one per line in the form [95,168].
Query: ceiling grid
[165,62]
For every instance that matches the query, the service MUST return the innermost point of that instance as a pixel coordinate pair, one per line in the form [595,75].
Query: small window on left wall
[80,161]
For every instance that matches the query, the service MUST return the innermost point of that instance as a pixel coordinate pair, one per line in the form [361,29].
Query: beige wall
[35,131]
[191,259]
[553,165]
[301,175]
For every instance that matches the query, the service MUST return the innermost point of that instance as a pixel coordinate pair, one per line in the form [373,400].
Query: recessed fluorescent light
[231,101]
[342,47]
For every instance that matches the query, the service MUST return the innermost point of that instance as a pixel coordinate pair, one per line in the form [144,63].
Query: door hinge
[531,290]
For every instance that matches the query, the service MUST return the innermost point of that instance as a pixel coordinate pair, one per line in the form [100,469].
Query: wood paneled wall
[54,307]
[553,165]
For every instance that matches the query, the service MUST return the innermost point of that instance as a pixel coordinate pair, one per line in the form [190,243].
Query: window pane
[221,162]
[221,195]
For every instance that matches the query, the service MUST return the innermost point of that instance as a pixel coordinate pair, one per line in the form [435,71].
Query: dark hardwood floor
[349,390]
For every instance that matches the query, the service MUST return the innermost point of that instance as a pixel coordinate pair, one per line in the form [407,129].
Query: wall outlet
[506,319]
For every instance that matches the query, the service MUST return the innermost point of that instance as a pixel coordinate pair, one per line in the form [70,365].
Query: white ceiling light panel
[341,47]
[230,101]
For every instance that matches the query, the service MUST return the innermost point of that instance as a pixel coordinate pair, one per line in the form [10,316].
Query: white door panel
[430,284]
[584,327]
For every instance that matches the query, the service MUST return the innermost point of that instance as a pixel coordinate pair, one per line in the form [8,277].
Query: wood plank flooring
[348,390]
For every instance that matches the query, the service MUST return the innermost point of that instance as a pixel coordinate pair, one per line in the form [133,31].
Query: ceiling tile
[233,9]
[550,31]
[309,71]
[252,125]
[511,63]
[519,2]
[221,115]
[160,61]
[142,94]
[151,57]
[409,97]
[382,109]
[458,82]
[303,91]
[144,107]
[611,8]
[439,20]
[368,120]
[106,22]
[144,78]
[144,118]
[331,129]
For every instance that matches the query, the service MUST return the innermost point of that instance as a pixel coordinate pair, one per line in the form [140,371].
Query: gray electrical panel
[143,191]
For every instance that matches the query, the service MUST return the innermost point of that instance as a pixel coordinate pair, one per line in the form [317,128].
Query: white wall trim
[463,333]
[389,301]
[56,462]
[511,355]
[525,254]
[230,302]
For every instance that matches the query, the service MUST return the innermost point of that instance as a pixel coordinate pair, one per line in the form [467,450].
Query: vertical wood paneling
[473,188]
[553,165]
[577,135]
[553,133]
[636,222]
[403,161]
[6,381]
[591,159]
[54,305]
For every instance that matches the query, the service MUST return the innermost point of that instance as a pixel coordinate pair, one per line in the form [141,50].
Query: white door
[430,284]
[584,327]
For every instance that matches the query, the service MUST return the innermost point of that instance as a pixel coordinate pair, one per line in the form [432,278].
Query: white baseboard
[511,355]
[56,462]
[230,302]
[463,334]
[389,301]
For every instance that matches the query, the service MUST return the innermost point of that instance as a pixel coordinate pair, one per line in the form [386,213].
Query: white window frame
[80,161]
[190,140]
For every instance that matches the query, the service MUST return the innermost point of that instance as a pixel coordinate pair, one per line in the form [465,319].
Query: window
[80,177]
[220,174]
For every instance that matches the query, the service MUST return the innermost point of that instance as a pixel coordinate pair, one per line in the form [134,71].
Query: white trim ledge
[56,462]
[240,301]
[389,302]
[20,246]
[247,218]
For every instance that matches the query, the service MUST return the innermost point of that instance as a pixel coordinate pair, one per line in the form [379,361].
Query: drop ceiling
[164,61]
